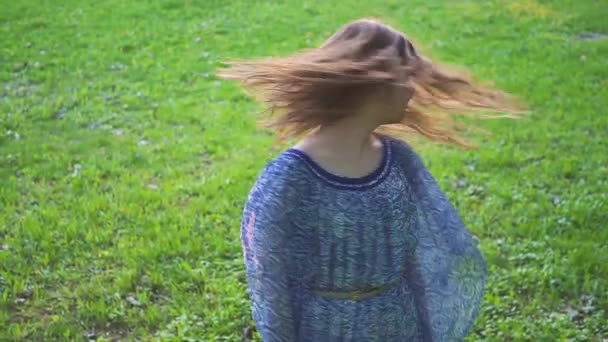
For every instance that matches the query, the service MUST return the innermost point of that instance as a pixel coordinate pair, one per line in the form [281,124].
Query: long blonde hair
[317,87]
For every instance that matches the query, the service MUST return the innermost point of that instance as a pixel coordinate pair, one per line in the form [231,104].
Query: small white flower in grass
[93,125]
[13,134]
[91,335]
[76,171]
[133,301]
[572,314]
[588,308]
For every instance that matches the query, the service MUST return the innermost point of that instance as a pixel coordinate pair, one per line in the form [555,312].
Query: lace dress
[384,257]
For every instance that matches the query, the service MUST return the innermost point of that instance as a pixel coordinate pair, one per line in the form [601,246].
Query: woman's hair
[320,86]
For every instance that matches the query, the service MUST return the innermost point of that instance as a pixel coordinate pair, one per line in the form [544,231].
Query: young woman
[346,235]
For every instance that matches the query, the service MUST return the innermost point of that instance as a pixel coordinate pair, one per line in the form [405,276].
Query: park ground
[125,162]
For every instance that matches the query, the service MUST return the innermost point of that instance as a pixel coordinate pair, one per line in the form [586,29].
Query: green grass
[124,162]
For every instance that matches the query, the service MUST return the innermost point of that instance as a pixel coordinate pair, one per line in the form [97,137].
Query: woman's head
[365,47]
[365,68]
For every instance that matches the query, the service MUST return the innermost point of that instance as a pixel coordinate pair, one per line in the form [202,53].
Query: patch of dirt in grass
[592,36]
[530,8]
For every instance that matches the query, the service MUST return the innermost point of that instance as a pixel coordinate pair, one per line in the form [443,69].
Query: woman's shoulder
[284,167]
[404,153]
[283,175]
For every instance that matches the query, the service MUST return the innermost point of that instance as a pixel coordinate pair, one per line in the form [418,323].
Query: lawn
[125,162]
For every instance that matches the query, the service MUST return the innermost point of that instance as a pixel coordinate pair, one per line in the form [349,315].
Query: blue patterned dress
[307,233]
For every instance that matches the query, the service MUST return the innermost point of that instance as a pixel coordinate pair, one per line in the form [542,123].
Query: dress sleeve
[265,235]
[447,269]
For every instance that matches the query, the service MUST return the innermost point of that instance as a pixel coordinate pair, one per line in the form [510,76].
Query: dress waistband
[356,295]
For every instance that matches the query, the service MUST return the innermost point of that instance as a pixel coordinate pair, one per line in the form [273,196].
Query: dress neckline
[364,182]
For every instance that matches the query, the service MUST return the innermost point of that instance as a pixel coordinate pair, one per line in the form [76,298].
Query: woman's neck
[347,147]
